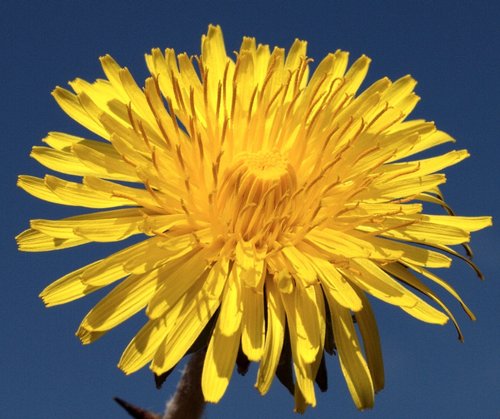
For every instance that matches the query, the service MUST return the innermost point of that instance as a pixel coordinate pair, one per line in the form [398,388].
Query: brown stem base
[188,400]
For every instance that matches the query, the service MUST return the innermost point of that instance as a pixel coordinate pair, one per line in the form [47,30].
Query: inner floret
[254,201]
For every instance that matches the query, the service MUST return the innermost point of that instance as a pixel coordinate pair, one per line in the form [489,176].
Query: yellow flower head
[273,202]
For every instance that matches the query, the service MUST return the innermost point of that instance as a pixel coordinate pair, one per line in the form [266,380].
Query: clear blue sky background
[451,47]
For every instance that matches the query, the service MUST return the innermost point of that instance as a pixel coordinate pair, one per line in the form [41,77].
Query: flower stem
[188,400]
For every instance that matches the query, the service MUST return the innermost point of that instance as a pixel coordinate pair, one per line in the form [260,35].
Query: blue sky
[451,48]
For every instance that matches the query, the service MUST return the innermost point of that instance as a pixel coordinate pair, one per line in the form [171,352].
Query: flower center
[268,165]
[254,198]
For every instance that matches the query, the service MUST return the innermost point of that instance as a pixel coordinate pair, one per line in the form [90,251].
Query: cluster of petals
[271,201]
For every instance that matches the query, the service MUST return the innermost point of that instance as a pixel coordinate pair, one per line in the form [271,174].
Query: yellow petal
[177,278]
[417,229]
[104,164]
[137,97]
[465,258]
[64,142]
[445,285]
[71,104]
[400,90]
[244,79]
[188,74]
[371,342]
[413,254]
[465,223]
[274,338]
[309,322]
[102,94]
[34,241]
[372,279]
[193,319]
[302,368]
[86,337]
[402,188]
[352,362]
[171,316]
[79,156]
[262,63]
[124,301]
[170,132]
[60,161]
[250,267]
[102,226]
[340,244]
[231,311]
[164,68]
[296,54]
[68,288]
[356,74]
[142,347]
[427,137]
[59,191]
[127,141]
[140,197]
[419,168]
[323,71]
[408,301]
[214,52]
[112,70]
[302,266]
[121,263]
[252,338]
[426,313]
[399,271]
[219,362]
[37,187]
[334,283]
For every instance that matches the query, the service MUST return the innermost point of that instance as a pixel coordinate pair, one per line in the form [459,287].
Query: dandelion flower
[272,203]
